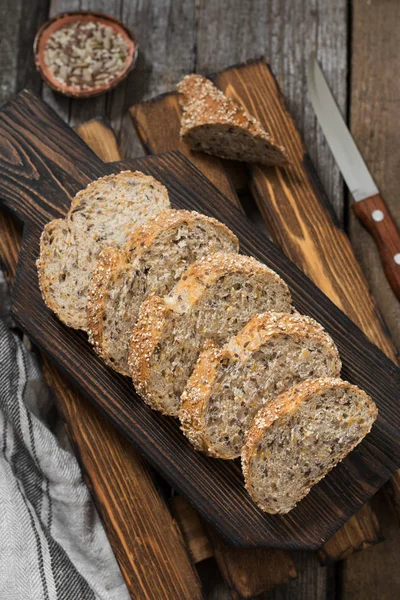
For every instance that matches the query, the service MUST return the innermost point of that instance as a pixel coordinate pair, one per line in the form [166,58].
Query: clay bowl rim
[57,23]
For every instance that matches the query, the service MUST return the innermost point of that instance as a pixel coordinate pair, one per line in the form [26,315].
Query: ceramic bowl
[66,19]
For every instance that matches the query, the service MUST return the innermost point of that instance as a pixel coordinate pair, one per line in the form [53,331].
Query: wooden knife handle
[376,218]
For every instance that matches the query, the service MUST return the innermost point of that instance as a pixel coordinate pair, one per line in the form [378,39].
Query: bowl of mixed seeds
[84,54]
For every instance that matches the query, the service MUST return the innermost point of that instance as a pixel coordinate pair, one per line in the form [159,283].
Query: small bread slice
[214,298]
[58,269]
[298,438]
[217,125]
[228,386]
[150,263]
[102,215]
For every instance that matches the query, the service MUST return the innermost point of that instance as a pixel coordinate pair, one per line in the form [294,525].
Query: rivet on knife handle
[376,218]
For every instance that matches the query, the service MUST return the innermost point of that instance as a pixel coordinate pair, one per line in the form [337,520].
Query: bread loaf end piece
[102,215]
[215,124]
[59,273]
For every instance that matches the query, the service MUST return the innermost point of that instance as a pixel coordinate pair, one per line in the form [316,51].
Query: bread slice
[214,298]
[217,125]
[58,269]
[272,353]
[151,262]
[299,437]
[102,215]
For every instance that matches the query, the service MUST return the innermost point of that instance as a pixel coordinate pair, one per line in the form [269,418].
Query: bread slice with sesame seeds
[102,215]
[217,125]
[214,298]
[272,353]
[298,438]
[152,261]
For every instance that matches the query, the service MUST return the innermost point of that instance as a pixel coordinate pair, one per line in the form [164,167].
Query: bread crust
[102,278]
[145,235]
[153,319]
[206,271]
[79,199]
[112,261]
[43,278]
[258,331]
[288,402]
[204,104]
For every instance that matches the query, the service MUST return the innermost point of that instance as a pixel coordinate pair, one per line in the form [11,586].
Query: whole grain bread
[214,298]
[298,438]
[217,125]
[151,262]
[102,215]
[228,386]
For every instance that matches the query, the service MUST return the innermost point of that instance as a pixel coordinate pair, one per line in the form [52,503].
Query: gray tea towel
[52,543]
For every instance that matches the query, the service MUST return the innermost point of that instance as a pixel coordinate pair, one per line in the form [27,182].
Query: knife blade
[369,206]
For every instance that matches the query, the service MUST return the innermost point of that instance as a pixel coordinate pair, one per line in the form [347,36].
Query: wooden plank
[167,46]
[375,102]
[287,199]
[145,539]
[374,106]
[157,121]
[250,572]
[285,32]
[113,471]
[215,487]
[192,529]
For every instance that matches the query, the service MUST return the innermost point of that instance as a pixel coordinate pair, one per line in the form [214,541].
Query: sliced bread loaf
[272,353]
[102,215]
[214,298]
[217,125]
[298,438]
[151,262]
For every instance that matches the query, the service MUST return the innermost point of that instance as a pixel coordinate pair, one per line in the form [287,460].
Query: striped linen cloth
[52,543]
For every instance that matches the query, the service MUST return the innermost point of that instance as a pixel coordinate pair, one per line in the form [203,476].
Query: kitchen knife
[369,206]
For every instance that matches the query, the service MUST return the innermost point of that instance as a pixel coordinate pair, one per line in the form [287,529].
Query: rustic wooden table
[358,45]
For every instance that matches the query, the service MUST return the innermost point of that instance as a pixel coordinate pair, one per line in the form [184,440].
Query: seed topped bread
[151,262]
[298,438]
[273,352]
[214,298]
[102,215]
[217,125]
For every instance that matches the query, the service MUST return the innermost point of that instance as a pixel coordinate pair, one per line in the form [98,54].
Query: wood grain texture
[285,32]
[374,106]
[216,489]
[100,138]
[375,216]
[250,572]
[146,541]
[192,529]
[294,204]
[139,526]
[374,123]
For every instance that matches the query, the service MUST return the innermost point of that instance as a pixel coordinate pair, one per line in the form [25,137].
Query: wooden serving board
[42,165]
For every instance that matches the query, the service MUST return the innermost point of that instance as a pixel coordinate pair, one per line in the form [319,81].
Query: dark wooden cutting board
[42,164]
